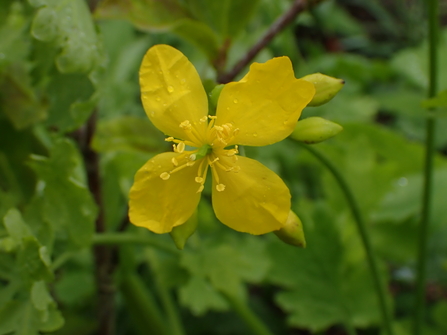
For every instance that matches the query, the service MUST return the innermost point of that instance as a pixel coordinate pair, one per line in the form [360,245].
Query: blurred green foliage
[59,63]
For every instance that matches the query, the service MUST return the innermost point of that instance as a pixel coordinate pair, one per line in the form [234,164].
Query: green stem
[142,306]
[127,238]
[433,25]
[246,314]
[380,291]
[170,309]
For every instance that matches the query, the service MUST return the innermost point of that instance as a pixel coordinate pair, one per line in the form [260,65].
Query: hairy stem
[433,25]
[358,218]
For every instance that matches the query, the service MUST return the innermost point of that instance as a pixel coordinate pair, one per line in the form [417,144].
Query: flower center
[212,154]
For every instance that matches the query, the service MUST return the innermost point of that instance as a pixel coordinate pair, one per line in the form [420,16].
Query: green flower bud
[215,93]
[292,232]
[180,234]
[315,129]
[325,88]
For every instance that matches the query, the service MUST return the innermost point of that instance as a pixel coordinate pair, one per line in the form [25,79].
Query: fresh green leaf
[322,287]
[68,205]
[68,24]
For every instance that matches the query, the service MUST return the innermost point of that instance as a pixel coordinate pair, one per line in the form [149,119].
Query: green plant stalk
[142,306]
[256,326]
[173,317]
[127,238]
[358,218]
[433,26]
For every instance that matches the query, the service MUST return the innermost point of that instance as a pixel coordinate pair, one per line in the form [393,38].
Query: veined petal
[255,200]
[172,92]
[266,104]
[157,204]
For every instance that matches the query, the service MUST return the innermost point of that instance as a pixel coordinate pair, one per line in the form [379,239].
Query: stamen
[181,147]
[220,187]
[185,125]
[203,119]
[201,187]
[165,176]
[174,161]
[199,180]
[169,139]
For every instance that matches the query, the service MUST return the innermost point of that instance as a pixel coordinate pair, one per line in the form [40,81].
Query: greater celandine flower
[261,109]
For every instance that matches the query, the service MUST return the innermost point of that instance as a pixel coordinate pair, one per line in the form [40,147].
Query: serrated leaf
[41,299]
[33,262]
[228,267]
[199,296]
[404,199]
[71,101]
[322,287]
[19,102]
[68,205]
[21,318]
[70,25]
[15,225]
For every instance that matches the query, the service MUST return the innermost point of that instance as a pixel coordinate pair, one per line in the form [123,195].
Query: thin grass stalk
[419,311]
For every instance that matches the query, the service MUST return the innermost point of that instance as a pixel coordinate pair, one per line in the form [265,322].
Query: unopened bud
[180,234]
[292,232]
[315,129]
[215,93]
[325,88]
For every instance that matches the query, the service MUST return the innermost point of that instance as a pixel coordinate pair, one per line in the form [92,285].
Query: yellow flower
[260,109]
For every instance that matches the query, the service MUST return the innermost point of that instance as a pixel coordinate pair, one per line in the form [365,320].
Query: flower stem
[172,315]
[358,218]
[127,238]
[433,25]
[246,314]
[142,306]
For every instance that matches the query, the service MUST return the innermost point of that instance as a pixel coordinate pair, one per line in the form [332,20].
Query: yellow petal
[266,104]
[254,200]
[172,92]
[157,204]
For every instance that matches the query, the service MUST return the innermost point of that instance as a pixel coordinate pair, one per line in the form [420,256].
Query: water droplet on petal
[170,89]
[158,99]
[235,101]
[255,134]
[152,113]
[183,81]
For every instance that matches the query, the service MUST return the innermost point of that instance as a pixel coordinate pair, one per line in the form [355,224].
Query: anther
[199,180]
[185,125]
[220,187]
[212,117]
[169,139]
[174,161]
[203,119]
[165,176]
[180,147]
[200,188]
